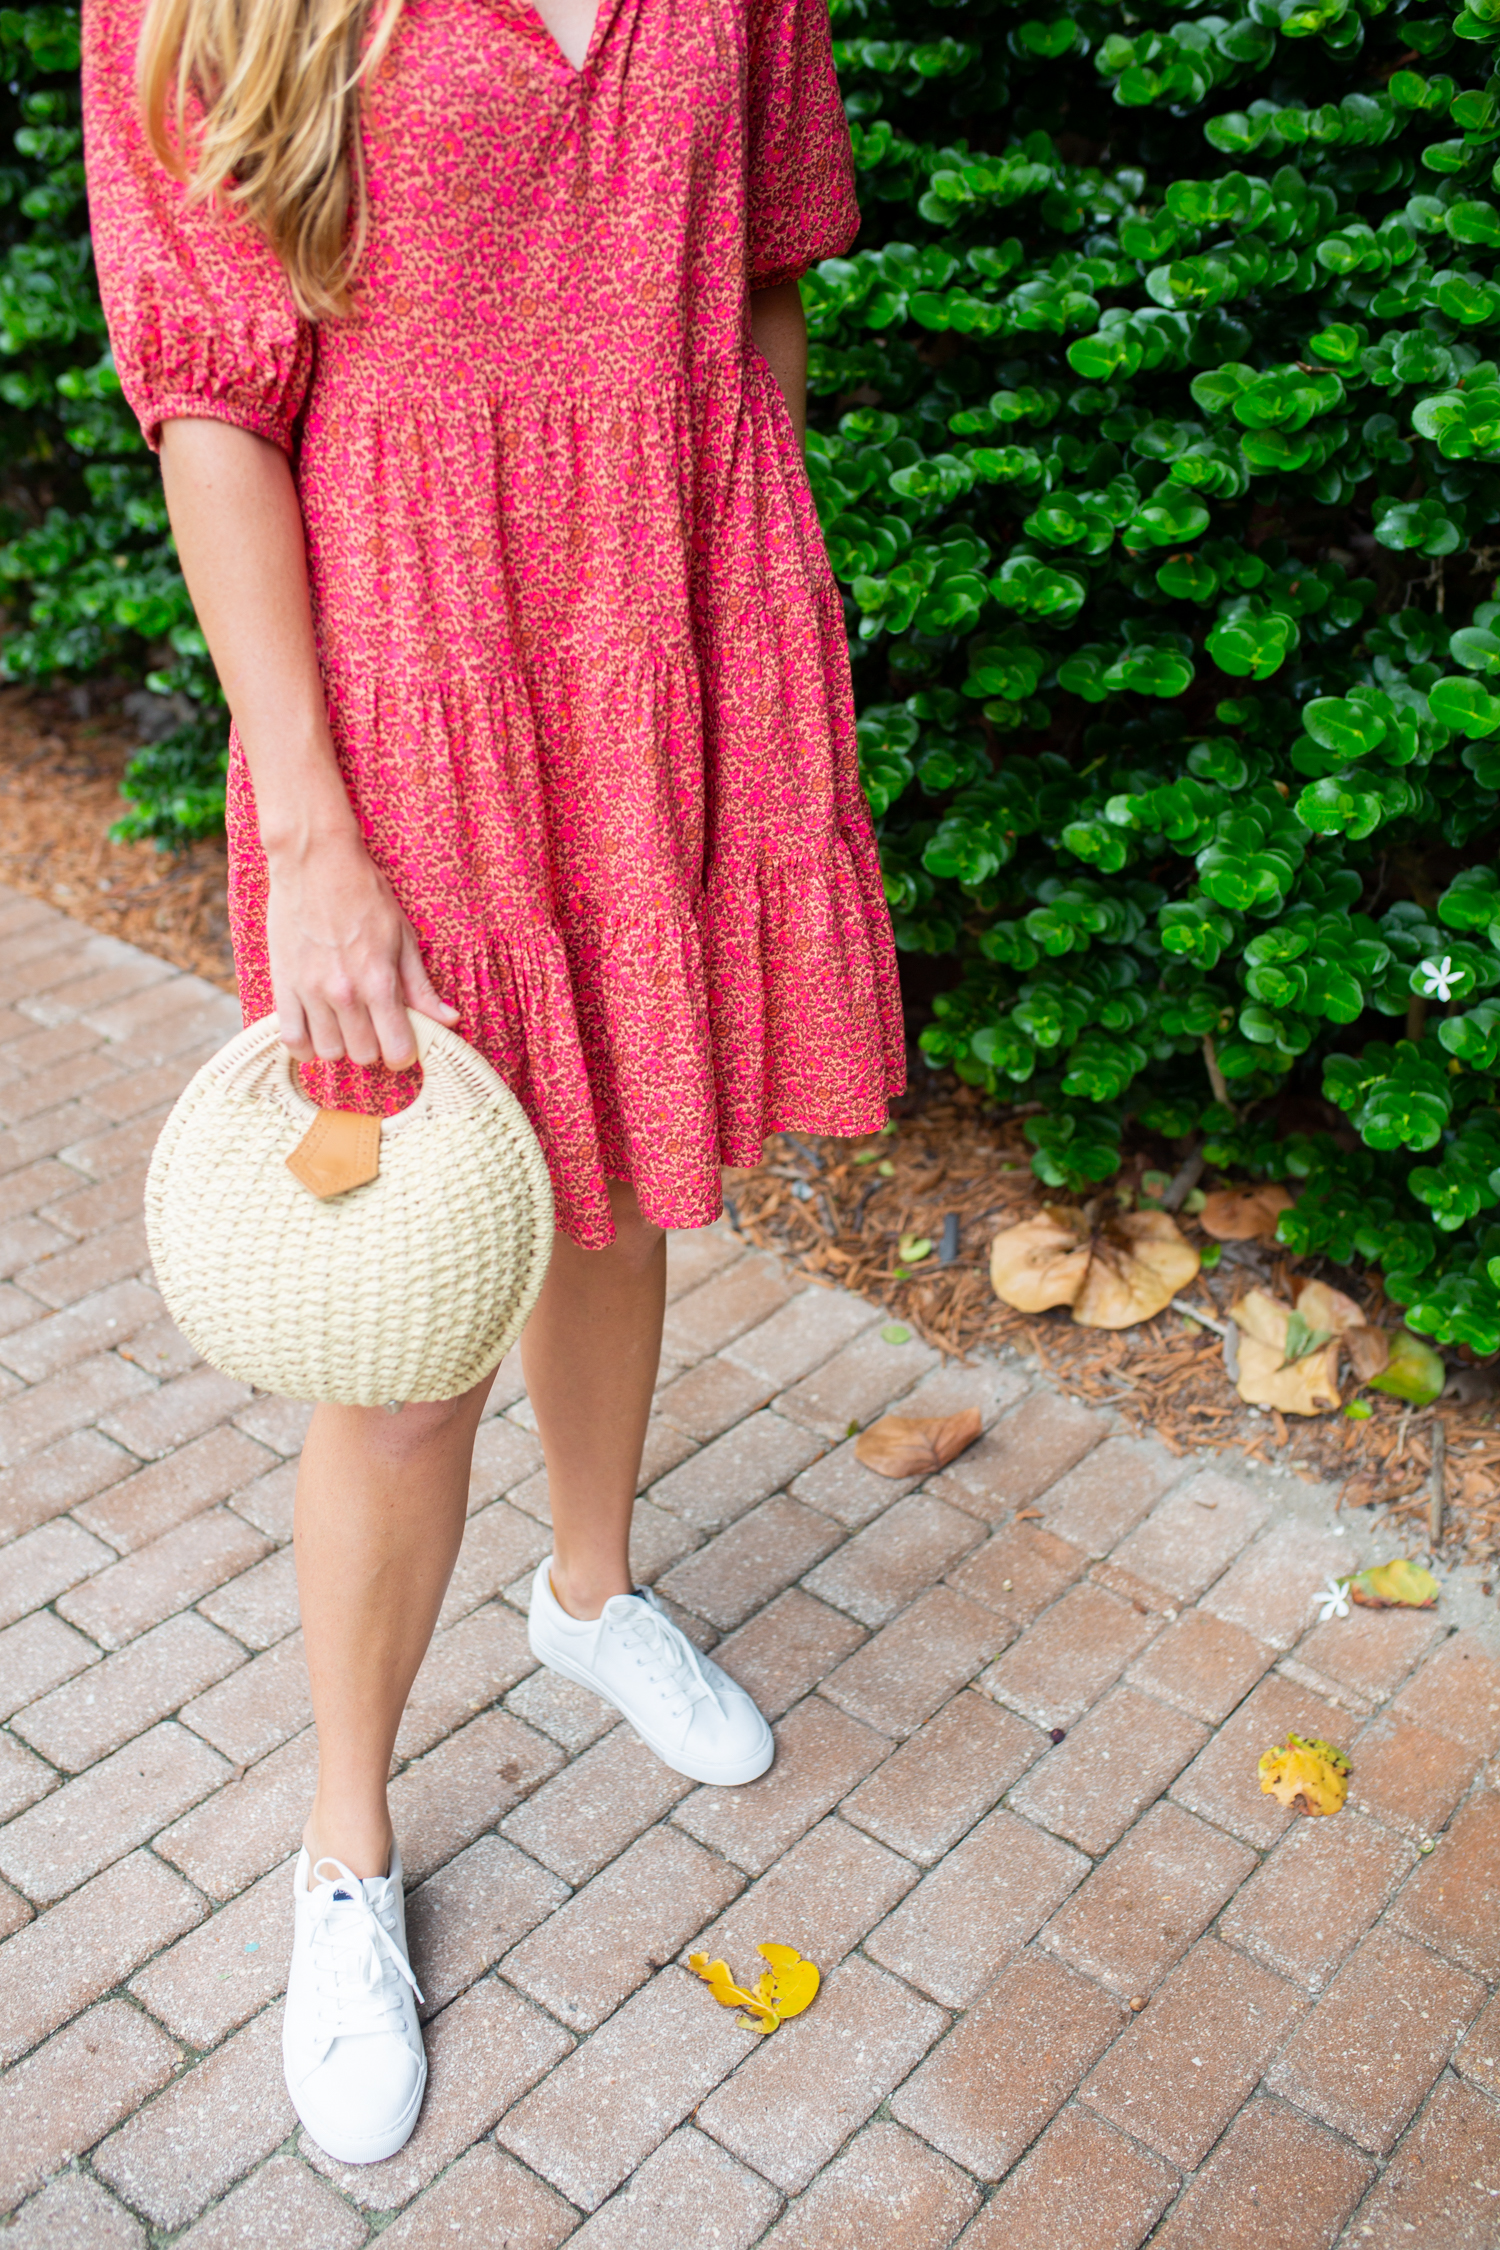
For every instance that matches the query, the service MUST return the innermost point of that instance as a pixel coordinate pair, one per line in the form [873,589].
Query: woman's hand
[345,965]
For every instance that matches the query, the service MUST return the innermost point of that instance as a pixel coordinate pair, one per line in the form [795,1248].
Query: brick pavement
[1015,1791]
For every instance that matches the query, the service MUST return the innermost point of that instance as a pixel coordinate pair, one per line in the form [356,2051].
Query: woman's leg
[591,1351]
[381,1500]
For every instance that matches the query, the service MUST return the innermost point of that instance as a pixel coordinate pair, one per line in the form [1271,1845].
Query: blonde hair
[278,138]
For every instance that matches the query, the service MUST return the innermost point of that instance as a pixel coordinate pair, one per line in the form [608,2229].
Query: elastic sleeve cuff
[253,415]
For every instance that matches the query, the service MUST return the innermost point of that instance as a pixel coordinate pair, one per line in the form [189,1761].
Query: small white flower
[1440,978]
[1335,1600]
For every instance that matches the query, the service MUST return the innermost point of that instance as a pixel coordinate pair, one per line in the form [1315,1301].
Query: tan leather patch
[340,1150]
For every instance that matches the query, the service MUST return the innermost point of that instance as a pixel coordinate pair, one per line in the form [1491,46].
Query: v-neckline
[543,31]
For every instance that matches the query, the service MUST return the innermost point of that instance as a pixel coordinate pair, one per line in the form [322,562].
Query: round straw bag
[322,1254]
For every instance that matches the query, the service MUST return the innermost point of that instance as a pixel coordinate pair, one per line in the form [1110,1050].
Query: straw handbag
[322,1254]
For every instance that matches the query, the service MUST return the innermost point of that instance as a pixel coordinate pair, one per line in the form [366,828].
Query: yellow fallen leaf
[909,1445]
[913,1248]
[1311,1777]
[790,1984]
[1394,1585]
[1244,1214]
[719,1978]
[1125,1272]
[1309,1385]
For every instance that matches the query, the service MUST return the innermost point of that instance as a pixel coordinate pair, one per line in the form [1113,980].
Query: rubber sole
[367,2151]
[723,1777]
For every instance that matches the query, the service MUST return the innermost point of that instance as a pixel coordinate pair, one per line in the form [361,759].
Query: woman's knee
[406,1433]
[638,1240]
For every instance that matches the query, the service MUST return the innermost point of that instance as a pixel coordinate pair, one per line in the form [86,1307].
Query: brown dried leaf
[906,1445]
[1309,1386]
[1322,1307]
[1139,1262]
[1041,1263]
[1369,1352]
[1246,1214]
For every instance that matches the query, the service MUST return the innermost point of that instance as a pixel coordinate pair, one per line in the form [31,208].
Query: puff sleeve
[801,203]
[201,319]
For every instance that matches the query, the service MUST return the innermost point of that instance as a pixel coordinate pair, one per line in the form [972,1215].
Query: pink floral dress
[584,660]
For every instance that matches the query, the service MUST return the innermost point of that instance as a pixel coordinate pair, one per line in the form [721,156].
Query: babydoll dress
[584,660]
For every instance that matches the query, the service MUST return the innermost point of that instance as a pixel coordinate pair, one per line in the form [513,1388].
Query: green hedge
[1156,462]
[1156,444]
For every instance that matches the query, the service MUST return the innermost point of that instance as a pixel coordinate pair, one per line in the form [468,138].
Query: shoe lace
[666,1655]
[352,1954]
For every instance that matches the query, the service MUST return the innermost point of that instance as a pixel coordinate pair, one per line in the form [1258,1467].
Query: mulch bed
[838,1210]
[60,774]
[950,1156]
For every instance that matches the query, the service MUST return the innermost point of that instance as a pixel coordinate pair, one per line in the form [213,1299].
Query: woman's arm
[343,956]
[779,328]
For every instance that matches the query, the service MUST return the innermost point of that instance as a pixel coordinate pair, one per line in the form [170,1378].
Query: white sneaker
[697,1720]
[350,2042]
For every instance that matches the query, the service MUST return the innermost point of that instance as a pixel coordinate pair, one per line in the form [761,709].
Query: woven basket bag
[409,1287]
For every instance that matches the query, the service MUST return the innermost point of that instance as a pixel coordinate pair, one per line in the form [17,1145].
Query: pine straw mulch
[60,774]
[840,1220]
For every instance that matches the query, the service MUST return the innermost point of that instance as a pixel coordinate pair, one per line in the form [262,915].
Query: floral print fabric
[584,660]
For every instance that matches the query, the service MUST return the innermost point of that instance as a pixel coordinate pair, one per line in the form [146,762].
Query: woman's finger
[418,987]
[391,1026]
[291,1021]
[323,1027]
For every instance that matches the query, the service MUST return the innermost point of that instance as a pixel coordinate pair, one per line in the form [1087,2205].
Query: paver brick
[1271,1589]
[787,2112]
[248,1826]
[750,1563]
[156,1499]
[73,2211]
[1202,1664]
[23,1778]
[23,1241]
[1019,1571]
[500,1542]
[739,1296]
[1013,1464]
[597,1805]
[120,1149]
[820,1754]
[601,2112]
[804,1332]
[839,1485]
[181,1410]
[1223,1783]
[821,1896]
[1082,2184]
[1144,1905]
[93,1821]
[84,1269]
[483,2202]
[460,1921]
[1458,1692]
[259,1604]
[626,1923]
[943,1779]
[886,2187]
[665,2203]
[50,1134]
[132,971]
[1375,2042]
[1370,1650]
[1408,1777]
[152,1084]
[572,1715]
[280,1423]
[14,1911]
[114,1701]
[261,1706]
[1008,2064]
[1095,1504]
[225,1970]
[782,1653]
[129,1596]
[96,1323]
[746,1465]
[1184,1544]
[268,1503]
[283,2206]
[1274,2178]
[43,1487]
[1453,1900]
[1315,1896]
[77,1951]
[466,1785]
[34,1418]
[1069,1657]
[504,1456]
[32,1186]
[69,1079]
[35,1655]
[914,1664]
[858,1383]
[1439,2191]
[1115,1762]
[1478,2055]
[465,1669]
[206,2130]
[44,1564]
[876,1574]
[66,2094]
[711,1397]
[138,1018]
[989,1896]
[483,2052]
[696,1254]
[1184,2068]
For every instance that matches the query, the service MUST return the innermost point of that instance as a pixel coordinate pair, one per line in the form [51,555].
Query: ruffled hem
[658,1049]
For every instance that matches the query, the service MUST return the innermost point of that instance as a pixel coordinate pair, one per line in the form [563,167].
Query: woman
[470,337]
